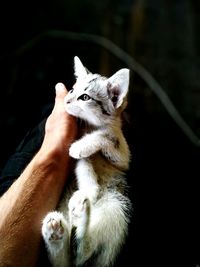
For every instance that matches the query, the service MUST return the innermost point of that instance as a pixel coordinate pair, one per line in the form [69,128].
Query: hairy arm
[37,190]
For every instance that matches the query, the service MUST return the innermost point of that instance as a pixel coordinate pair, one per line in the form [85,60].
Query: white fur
[98,209]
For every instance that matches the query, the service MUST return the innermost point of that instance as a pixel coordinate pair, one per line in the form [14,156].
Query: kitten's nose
[68,101]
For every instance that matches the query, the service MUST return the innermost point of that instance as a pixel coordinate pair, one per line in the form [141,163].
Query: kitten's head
[97,99]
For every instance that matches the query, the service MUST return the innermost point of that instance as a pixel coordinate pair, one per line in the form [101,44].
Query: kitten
[91,223]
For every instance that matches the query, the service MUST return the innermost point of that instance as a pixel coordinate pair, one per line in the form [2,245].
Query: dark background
[38,42]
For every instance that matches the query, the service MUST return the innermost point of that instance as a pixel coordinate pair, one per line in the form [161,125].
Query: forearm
[25,204]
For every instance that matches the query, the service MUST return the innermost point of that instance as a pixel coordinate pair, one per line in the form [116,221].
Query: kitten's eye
[84,97]
[71,91]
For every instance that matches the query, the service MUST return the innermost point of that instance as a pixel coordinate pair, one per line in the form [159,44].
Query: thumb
[61,92]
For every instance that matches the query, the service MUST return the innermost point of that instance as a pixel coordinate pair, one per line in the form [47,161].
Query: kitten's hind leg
[100,228]
[108,227]
[79,214]
[56,236]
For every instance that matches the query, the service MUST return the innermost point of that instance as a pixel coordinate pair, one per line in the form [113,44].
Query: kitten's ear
[117,86]
[80,71]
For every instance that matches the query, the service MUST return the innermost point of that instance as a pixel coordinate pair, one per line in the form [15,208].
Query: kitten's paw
[54,228]
[79,209]
[74,151]
[77,151]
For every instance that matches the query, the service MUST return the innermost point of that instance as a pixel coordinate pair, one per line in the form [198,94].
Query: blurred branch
[129,61]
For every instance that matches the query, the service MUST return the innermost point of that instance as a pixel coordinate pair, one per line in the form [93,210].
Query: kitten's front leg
[87,179]
[86,146]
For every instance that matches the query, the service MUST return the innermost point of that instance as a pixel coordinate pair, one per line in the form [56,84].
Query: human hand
[60,129]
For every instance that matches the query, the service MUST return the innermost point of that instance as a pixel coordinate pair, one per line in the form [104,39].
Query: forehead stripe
[90,82]
[101,106]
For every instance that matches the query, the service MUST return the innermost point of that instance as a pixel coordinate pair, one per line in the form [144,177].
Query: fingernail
[59,87]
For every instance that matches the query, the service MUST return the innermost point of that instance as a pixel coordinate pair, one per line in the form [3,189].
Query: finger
[61,92]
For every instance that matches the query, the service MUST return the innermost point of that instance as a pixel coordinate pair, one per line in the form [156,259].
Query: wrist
[51,157]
